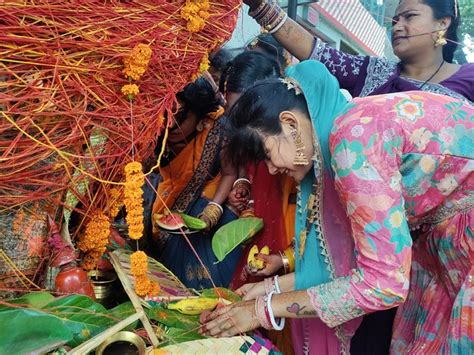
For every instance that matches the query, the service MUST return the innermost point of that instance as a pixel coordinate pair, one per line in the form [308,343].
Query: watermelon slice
[171,222]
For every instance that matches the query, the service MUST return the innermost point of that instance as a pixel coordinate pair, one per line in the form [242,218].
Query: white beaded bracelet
[272,316]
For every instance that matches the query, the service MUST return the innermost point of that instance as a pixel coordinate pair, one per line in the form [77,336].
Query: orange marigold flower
[130,90]
[138,263]
[133,199]
[195,12]
[142,285]
[116,202]
[137,62]
[96,235]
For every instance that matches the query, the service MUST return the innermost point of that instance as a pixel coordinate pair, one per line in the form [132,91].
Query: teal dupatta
[325,101]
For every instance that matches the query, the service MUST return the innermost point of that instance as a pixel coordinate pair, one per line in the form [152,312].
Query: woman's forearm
[287,282]
[295,39]
[296,304]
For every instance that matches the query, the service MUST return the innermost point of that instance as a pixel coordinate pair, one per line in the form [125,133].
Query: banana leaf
[176,336]
[27,331]
[221,292]
[78,315]
[172,319]
[234,233]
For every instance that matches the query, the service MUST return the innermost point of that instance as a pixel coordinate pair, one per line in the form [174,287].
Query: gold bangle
[286,263]
[290,255]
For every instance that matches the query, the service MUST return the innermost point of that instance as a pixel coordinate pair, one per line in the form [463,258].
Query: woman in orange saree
[194,176]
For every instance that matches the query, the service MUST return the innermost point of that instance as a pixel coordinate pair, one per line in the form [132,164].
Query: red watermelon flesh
[172,221]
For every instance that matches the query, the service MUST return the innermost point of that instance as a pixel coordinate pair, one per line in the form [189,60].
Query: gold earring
[441,40]
[300,158]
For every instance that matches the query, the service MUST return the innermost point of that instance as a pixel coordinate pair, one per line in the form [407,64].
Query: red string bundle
[61,74]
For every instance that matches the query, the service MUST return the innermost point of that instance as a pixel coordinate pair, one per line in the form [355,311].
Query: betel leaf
[25,331]
[232,234]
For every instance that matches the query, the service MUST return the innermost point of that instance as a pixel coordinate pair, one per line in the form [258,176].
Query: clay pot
[73,279]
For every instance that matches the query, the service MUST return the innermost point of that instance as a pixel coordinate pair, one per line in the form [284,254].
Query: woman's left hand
[231,320]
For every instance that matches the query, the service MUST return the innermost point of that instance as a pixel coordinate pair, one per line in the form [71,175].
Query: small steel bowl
[123,336]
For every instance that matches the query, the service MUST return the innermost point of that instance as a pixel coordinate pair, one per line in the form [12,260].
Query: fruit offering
[253,262]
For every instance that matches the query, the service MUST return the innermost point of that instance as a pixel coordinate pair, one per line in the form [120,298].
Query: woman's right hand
[273,263]
[251,291]
[239,199]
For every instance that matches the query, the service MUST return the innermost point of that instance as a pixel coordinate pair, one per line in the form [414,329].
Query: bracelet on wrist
[273,321]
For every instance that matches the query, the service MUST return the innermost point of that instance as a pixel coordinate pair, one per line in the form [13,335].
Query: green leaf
[27,330]
[33,299]
[232,234]
[221,292]
[78,316]
[84,317]
[171,318]
[176,336]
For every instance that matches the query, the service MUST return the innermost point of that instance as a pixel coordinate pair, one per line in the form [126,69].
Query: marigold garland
[138,263]
[138,268]
[195,12]
[137,62]
[94,240]
[116,202]
[133,199]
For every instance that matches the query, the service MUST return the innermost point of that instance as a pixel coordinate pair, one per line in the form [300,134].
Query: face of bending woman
[281,149]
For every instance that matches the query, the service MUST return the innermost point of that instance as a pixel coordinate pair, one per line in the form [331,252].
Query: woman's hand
[206,220]
[251,291]
[273,263]
[239,199]
[231,320]
[253,4]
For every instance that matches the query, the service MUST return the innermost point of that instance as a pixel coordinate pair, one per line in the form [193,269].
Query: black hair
[270,47]
[245,69]
[447,8]
[220,59]
[257,114]
[200,98]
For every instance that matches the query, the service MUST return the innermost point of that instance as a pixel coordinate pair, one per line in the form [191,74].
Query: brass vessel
[121,343]
[102,283]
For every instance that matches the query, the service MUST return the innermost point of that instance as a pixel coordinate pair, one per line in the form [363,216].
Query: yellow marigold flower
[143,285]
[137,63]
[204,64]
[130,90]
[133,199]
[195,12]
[116,202]
[138,263]
[94,240]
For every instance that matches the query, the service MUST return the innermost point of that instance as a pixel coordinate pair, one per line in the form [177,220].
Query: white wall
[245,30]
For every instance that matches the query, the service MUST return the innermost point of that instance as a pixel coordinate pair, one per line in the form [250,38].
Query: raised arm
[350,70]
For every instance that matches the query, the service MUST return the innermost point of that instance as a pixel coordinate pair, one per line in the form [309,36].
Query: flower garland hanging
[135,67]
[94,240]
[195,12]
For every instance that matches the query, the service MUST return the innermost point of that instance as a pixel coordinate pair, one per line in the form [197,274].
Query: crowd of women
[367,203]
